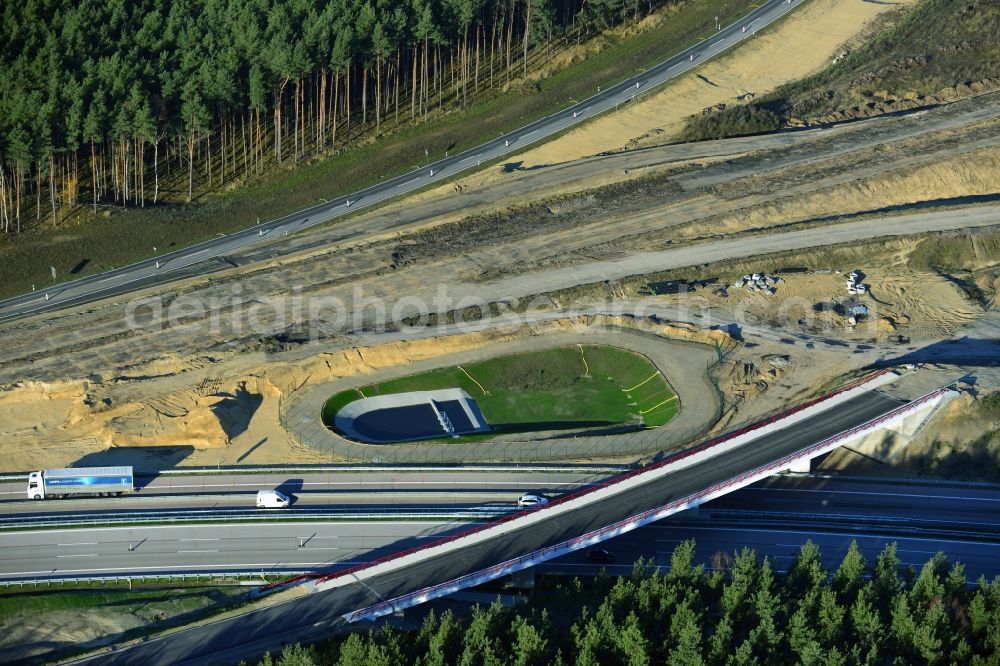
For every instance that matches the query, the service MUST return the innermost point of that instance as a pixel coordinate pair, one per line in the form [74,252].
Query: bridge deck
[323,610]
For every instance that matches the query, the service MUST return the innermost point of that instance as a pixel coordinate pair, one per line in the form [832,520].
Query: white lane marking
[372,483]
[528,133]
[307,547]
[469,158]
[338,523]
[901,494]
[855,535]
[196,551]
[252,567]
[182,540]
[83,555]
[408,182]
[188,256]
[113,277]
[80,543]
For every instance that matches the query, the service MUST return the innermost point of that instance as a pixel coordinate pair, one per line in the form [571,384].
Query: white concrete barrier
[614,486]
[652,515]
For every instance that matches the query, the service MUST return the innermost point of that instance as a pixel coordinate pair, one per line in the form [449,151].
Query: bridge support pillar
[802,466]
[523,579]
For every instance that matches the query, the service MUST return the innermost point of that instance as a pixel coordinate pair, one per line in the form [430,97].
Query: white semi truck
[102,481]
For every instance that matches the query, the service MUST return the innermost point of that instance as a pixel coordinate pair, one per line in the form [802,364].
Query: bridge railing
[543,554]
[615,480]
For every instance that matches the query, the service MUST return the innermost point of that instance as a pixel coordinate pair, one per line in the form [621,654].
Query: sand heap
[967,175]
[153,419]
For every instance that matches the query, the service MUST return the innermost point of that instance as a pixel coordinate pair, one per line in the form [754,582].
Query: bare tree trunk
[3,200]
[295,123]
[333,116]
[378,93]
[93,172]
[321,142]
[156,170]
[17,199]
[243,137]
[347,101]
[510,37]
[413,84]
[190,147]
[52,187]
[527,34]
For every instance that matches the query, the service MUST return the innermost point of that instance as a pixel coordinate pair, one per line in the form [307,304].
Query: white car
[532,500]
[272,499]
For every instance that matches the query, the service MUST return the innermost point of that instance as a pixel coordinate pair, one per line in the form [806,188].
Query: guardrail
[610,482]
[246,516]
[368,467]
[242,577]
[627,524]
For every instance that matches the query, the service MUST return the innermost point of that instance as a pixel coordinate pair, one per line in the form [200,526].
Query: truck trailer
[102,481]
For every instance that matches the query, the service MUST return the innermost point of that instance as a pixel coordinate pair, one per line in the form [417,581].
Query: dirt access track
[194,387]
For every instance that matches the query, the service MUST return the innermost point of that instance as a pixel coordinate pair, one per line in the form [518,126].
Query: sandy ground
[25,635]
[901,301]
[801,44]
[87,388]
[955,444]
[668,347]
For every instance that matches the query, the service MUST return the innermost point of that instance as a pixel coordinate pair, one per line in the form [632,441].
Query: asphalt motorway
[164,268]
[345,489]
[312,617]
[834,508]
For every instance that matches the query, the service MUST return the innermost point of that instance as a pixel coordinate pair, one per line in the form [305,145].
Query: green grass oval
[555,389]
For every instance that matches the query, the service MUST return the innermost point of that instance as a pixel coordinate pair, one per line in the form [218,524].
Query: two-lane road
[169,266]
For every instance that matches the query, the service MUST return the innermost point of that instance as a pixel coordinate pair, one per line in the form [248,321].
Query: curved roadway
[158,269]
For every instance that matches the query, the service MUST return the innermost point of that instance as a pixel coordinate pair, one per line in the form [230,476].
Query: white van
[271,499]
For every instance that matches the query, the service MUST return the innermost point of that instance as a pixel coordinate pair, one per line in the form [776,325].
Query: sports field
[563,388]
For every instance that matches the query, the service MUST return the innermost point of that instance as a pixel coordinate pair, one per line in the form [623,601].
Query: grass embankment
[155,601]
[917,53]
[565,388]
[130,235]
[63,622]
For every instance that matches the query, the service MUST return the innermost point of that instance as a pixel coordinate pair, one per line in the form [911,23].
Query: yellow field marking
[585,365]
[647,411]
[473,379]
[652,376]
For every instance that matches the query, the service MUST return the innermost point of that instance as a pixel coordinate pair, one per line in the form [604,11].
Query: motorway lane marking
[466,159]
[854,535]
[199,539]
[338,523]
[249,568]
[878,494]
[179,552]
[83,555]
[80,543]
[371,483]
[409,181]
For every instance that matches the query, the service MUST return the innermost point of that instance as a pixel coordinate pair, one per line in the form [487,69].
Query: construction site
[571,242]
